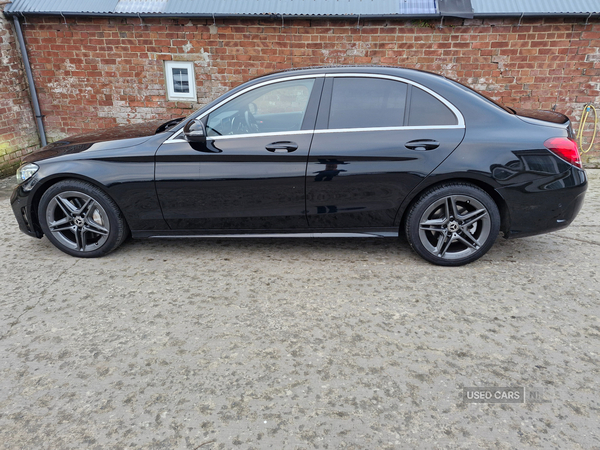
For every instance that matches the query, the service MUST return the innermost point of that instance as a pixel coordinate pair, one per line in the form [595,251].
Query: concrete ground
[299,344]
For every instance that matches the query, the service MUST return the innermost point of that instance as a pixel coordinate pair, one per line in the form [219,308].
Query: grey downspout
[34,97]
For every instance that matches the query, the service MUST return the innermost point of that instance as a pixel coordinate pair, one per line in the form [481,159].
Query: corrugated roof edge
[108,8]
[10,13]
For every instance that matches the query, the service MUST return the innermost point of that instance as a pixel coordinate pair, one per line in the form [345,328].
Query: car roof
[374,69]
[438,82]
[468,101]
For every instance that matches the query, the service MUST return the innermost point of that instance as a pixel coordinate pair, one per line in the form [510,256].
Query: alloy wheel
[454,227]
[77,221]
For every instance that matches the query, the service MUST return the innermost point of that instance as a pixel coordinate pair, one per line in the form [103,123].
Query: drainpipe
[34,97]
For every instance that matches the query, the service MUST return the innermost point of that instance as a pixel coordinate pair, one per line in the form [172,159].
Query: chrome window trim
[281,133]
[248,89]
[336,130]
[454,109]
[424,127]
[461,121]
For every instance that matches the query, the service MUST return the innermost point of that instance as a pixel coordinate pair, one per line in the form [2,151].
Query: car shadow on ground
[525,250]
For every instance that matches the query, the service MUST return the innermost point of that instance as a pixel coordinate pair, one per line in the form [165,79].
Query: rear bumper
[537,208]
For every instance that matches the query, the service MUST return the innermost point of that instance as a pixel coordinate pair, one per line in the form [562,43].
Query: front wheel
[81,220]
[453,224]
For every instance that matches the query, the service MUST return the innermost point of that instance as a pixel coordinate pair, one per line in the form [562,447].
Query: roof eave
[223,16]
[534,14]
[478,15]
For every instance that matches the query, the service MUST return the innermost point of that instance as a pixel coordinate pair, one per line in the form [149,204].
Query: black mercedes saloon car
[330,151]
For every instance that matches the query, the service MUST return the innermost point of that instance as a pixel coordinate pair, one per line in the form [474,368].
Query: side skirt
[221,234]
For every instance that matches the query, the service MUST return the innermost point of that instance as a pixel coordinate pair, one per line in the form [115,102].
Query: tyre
[453,224]
[81,220]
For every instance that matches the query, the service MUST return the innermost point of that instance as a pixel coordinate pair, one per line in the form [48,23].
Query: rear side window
[367,103]
[425,109]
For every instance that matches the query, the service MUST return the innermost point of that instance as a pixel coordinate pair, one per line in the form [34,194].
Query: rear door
[376,138]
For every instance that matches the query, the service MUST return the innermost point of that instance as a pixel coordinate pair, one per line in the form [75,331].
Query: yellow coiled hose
[584,117]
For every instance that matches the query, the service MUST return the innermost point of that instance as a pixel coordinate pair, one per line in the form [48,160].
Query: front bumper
[20,202]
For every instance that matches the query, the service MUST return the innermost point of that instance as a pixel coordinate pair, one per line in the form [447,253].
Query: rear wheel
[81,220]
[453,224]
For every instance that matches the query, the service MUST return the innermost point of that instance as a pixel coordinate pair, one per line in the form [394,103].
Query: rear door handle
[422,144]
[282,147]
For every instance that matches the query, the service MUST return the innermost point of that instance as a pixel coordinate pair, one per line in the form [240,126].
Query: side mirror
[195,132]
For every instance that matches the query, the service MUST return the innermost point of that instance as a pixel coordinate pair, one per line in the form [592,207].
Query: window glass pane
[273,108]
[425,109]
[366,103]
[180,80]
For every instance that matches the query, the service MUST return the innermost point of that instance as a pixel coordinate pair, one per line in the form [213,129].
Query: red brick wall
[18,134]
[101,72]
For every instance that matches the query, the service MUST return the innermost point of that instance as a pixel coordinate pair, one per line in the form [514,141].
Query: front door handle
[282,147]
[422,144]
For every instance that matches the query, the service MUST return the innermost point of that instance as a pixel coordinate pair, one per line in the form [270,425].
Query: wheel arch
[416,194]
[47,183]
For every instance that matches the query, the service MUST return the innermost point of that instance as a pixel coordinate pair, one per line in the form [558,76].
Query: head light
[25,172]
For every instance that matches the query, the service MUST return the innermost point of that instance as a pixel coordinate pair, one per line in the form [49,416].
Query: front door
[251,174]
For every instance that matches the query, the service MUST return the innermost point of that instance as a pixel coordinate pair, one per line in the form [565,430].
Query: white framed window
[181,82]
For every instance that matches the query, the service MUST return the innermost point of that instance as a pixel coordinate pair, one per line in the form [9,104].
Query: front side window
[367,103]
[276,107]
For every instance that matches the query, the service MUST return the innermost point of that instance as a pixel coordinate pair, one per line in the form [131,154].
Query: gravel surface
[299,344]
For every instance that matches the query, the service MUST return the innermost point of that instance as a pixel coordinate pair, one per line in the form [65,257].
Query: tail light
[565,148]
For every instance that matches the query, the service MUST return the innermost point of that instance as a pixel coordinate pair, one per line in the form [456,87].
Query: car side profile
[330,151]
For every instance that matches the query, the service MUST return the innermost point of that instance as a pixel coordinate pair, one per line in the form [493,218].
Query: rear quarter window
[426,110]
